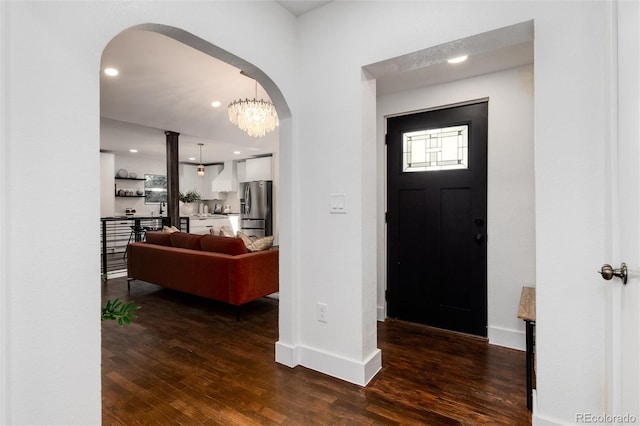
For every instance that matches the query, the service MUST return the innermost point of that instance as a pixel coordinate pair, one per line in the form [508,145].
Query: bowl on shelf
[122,173]
[133,175]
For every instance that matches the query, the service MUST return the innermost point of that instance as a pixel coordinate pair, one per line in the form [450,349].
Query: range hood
[227,180]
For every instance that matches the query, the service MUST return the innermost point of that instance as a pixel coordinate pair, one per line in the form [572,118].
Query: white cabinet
[210,174]
[200,225]
[189,178]
[220,222]
[205,225]
[241,170]
[258,169]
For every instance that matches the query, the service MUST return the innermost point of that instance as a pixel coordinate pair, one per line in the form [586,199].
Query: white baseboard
[117,274]
[286,355]
[514,339]
[381,314]
[357,372]
[537,419]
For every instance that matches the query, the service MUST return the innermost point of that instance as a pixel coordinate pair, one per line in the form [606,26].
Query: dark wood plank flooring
[187,361]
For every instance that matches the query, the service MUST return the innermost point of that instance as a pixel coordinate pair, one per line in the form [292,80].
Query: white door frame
[623,301]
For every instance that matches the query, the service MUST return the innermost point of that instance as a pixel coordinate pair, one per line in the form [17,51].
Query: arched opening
[126,129]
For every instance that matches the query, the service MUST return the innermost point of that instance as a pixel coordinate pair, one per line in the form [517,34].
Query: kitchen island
[205,223]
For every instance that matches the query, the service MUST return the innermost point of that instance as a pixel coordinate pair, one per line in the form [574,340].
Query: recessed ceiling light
[111,72]
[192,158]
[458,59]
[236,152]
[133,150]
[215,104]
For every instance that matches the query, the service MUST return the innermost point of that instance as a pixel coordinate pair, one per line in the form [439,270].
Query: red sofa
[218,268]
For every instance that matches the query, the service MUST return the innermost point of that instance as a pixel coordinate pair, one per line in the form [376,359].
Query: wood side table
[527,312]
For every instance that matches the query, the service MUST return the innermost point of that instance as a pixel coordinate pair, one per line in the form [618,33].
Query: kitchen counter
[204,224]
[137,217]
[213,215]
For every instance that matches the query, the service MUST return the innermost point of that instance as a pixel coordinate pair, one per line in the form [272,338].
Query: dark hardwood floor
[187,361]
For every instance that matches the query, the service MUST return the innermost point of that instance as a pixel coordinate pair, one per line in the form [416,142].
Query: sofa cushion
[226,245]
[225,231]
[185,240]
[255,244]
[158,238]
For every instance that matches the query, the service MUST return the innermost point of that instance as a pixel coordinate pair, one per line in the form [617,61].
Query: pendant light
[200,166]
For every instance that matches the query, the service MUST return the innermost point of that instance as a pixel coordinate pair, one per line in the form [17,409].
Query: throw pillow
[172,229]
[225,231]
[254,244]
[246,239]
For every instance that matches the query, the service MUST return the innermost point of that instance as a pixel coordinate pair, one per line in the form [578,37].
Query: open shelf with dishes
[129,193]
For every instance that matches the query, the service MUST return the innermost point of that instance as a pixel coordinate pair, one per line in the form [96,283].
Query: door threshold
[443,331]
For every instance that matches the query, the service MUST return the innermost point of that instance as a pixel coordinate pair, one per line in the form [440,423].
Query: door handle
[479,238]
[608,272]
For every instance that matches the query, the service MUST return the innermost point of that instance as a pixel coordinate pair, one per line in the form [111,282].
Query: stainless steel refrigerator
[256,208]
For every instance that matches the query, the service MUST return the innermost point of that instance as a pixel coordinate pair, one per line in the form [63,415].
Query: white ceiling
[488,52]
[300,7]
[164,84]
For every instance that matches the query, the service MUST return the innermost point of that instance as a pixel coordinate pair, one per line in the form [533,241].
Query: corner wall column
[173,184]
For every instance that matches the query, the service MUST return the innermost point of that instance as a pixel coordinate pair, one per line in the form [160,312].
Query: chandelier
[256,117]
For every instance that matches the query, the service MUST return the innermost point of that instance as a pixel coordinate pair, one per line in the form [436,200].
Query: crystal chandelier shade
[256,117]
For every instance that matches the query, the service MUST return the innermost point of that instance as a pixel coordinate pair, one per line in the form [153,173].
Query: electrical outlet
[322,312]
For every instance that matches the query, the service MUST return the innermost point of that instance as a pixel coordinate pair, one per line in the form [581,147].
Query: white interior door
[624,341]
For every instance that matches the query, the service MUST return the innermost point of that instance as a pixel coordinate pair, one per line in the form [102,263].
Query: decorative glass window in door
[435,149]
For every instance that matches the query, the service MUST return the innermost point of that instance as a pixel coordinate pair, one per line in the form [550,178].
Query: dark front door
[436,218]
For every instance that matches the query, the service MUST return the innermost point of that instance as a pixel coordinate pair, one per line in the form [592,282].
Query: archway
[285,135]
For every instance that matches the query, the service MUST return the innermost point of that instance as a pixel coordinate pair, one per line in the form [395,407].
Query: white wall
[570,126]
[51,123]
[140,166]
[133,163]
[107,182]
[510,178]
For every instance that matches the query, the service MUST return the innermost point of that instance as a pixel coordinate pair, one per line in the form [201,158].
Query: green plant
[190,196]
[119,311]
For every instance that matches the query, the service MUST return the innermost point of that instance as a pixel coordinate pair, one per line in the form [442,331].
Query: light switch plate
[338,204]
